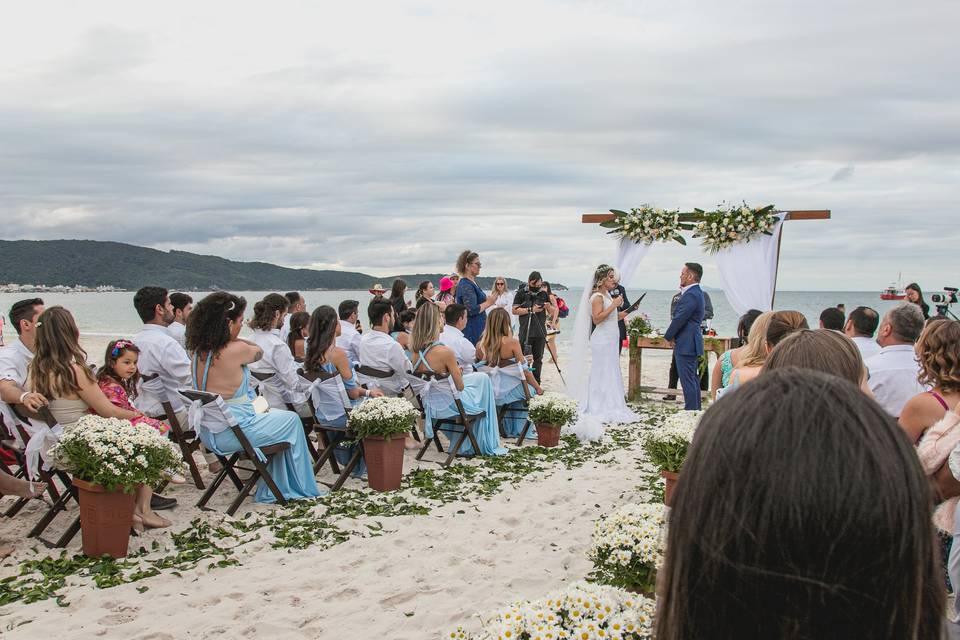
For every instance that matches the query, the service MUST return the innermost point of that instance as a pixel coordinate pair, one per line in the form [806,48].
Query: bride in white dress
[599,387]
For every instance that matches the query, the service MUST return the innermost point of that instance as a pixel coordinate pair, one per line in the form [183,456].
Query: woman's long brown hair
[56,350]
[498,328]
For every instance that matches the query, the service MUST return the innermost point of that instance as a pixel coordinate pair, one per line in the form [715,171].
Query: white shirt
[161,353]
[380,351]
[464,350]
[349,341]
[868,346]
[278,360]
[178,332]
[893,377]
[285,329]
[14,361]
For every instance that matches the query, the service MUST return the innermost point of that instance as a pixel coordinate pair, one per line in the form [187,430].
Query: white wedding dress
[602,397]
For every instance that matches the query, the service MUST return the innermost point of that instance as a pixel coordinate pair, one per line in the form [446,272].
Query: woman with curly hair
[938,352]
[220,362]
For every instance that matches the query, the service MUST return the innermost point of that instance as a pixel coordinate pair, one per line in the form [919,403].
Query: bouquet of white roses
[627,547]
[667,447]
[583,610]
[647,225]
[383,416]
[727,226]
[116,454]
[553,408]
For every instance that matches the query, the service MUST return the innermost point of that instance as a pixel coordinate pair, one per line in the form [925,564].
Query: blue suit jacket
[684,329]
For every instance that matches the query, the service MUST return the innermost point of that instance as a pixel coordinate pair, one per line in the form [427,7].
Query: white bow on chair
[42,437]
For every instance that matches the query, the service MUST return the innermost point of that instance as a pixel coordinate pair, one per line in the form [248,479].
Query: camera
[537,296]
[943,302]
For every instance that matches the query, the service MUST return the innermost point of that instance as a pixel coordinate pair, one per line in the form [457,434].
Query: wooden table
[637,345]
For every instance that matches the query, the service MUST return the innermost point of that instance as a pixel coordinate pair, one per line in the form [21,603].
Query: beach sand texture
[424,575]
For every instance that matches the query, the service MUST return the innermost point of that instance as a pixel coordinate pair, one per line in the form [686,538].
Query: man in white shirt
[349,338]
[379,350]
[295,304]
[182,306]
[277,358]
[455,316]
[894,371]
[160,353]
[861,325]
[15,359]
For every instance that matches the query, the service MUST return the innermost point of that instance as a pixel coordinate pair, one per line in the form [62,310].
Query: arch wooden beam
[811,214]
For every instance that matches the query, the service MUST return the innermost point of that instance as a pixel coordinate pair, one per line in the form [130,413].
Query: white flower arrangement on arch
[627,547]
[646,225]
[583,611]
[729,225]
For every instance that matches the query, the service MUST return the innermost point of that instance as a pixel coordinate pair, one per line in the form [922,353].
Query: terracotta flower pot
[671,482]
[105,519]
[548,435]
[384,460]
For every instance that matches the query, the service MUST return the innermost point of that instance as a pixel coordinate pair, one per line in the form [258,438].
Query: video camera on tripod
[943,301]
[536,297]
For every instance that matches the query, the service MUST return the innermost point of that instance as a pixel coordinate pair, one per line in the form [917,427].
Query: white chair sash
[11,421]
[273,389]
[438,395]
[330,399]
[42,437]
[505,379]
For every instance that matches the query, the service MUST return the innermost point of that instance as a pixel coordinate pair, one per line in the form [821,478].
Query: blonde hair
[56,350]
[498,328]
[754,352]
[426,327]
[600,275]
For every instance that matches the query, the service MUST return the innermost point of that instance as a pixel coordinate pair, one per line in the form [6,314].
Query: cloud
[315,136]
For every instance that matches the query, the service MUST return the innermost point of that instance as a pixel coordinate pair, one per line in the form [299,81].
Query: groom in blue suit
[684,332]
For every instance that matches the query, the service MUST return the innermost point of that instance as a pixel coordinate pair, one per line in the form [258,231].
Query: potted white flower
[627,547]
[582,610]
[108,458]
[551,412]
[381,423]
[667,447]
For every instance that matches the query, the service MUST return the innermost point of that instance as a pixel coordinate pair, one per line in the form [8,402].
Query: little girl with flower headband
[118,378]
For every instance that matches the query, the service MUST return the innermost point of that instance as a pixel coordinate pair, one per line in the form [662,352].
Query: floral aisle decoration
[729,225]
[667,447]
[647,225]
[627,547]
[641,327]
[376,421]
[551,412]
[582,610]
[108,458]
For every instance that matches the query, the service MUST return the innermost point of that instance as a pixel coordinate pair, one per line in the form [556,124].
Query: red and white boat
[894,292]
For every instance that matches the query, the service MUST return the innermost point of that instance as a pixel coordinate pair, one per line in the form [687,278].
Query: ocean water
[104,316]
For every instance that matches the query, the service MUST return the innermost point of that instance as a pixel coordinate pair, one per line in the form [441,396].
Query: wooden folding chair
[518,408]
[186,439]
[216,418]
[442,385]
[331,386]
[14,438]
[270,380]
[364,371]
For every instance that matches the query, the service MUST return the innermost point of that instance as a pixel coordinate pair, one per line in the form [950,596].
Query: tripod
[528,348]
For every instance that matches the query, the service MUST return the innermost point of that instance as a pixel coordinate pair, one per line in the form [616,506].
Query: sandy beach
[417,577]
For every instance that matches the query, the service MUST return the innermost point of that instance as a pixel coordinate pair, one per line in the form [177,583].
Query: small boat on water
[894,291]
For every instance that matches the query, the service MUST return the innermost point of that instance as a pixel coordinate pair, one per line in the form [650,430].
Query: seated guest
[752,355]
[295,304]
[15,359]
[277,358]
[860,327]
[452,336]
[425,293]
[782,324]
[118,378]
[938,354]
[894,371]
[323,354]
[349,338]
[397,301]
[823,350]
[498,348]
[726,363]
[297,334]
[447,286]
[403,337]
[220,365]
[160,353]
[182,306]
[831,540]
[476,389]
[379,351]
[831,318]
[60,373]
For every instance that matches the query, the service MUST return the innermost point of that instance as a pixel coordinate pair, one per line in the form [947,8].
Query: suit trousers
[689,380]
[675,377]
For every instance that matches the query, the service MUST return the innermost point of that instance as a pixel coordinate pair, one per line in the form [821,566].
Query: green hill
[92,263]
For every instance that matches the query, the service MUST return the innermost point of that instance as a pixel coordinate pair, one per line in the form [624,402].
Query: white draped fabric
[748,271]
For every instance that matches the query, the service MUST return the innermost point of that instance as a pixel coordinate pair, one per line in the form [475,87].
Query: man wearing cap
[684,332]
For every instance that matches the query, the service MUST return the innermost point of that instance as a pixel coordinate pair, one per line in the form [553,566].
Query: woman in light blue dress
[220,362]
[323,354]
[475,389]
[501,352]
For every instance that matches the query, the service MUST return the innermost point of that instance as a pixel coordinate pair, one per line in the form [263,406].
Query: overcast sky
[387,136]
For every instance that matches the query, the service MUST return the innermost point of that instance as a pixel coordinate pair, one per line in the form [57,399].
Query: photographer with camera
[532,304]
